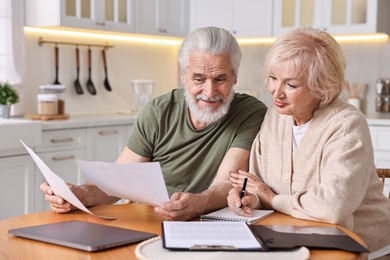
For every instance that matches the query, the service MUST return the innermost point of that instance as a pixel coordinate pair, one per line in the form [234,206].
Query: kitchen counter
[382,119]
[78,121]
[30,131]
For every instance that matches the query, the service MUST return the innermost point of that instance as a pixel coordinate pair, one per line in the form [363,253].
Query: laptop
[82,235]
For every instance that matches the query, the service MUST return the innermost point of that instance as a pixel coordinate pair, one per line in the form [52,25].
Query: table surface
[132,216]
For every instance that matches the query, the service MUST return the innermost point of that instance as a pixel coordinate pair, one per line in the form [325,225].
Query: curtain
[12,42]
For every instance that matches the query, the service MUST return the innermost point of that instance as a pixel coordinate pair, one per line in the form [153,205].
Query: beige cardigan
[330,177]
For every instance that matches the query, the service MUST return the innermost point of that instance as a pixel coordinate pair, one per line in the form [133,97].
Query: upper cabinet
[241,17]
[158,17]
[162,17]
[333,16]
[108,15]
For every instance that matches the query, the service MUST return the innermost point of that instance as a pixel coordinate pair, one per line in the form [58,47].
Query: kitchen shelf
[42,41]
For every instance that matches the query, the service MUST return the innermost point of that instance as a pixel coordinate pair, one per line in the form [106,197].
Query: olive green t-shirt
[190,158]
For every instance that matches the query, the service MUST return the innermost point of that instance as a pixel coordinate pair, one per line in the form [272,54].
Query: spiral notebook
[226,214]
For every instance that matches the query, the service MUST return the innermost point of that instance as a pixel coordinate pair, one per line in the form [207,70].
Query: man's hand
[182,206]
[57,204]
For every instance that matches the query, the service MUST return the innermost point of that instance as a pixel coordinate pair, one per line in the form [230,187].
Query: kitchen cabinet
[333,16]
[380,135]
[108,15]
[162,17]
[59,150]
[17,186]
[240,17]
[106,143]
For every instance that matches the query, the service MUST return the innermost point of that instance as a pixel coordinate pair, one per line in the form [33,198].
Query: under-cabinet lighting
[340,38]
[362,37]
[103,36]
[178,41]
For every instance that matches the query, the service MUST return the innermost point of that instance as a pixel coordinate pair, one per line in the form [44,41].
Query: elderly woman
[313,157]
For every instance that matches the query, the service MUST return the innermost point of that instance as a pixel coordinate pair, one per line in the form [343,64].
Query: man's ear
[235,80]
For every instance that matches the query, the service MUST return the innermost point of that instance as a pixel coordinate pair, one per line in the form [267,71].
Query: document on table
[140,182]
[198,235]
[58,185]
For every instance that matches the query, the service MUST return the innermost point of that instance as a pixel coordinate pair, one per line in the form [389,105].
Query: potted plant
[8,96]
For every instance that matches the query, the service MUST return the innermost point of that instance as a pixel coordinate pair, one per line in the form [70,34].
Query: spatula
[90,86]
[106,83]
[77,85]
[56,51]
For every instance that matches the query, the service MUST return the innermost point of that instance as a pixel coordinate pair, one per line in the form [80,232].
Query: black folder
[284,237]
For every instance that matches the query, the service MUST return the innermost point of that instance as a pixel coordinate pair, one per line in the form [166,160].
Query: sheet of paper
[58,185]
[190,234]
[140,182]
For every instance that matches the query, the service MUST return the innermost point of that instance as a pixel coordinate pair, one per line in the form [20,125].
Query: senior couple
[309,156]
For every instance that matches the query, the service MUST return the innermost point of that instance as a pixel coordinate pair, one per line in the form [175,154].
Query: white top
[298,133]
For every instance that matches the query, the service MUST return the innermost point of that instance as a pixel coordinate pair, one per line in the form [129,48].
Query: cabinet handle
[63,140]
[162,30]
[109,132]
[63,158]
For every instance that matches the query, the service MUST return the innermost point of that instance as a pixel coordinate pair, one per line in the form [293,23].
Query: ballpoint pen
[242,193]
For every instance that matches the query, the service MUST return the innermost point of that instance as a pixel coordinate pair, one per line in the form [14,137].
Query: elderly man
[198,134]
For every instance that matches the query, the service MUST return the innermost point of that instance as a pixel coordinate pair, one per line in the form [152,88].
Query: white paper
[58,185]
[140,182]
[189,234]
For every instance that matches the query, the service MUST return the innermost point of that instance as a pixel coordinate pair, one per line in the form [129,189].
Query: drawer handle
[109,132]
[63,158]
[63,140]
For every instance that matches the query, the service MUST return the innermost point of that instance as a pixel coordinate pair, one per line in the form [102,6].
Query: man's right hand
[57,204]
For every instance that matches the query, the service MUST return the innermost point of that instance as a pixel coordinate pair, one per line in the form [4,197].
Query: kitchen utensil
[56,52]
[77,85]
[106,83]
[90,87]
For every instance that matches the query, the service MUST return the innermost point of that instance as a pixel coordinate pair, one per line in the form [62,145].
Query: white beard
[208,116]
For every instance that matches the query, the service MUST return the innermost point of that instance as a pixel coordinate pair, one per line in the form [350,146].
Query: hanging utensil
[56,61]
[77,85]
[90,86]
[106,83]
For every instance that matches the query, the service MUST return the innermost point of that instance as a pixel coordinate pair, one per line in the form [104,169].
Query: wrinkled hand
[57,204]
[254,185]
[181,206]
[247,203]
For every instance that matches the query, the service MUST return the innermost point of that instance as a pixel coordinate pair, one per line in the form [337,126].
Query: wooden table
[131,216]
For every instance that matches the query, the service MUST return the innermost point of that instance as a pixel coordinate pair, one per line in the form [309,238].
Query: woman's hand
[244,206]
[254,185]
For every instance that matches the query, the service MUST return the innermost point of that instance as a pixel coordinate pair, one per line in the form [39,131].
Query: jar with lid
[47,104]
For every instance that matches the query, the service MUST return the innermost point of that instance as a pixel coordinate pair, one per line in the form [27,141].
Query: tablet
[82,235]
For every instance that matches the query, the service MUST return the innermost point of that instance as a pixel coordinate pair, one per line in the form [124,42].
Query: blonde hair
[315,58]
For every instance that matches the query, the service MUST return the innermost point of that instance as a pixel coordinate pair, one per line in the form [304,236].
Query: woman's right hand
[57,204]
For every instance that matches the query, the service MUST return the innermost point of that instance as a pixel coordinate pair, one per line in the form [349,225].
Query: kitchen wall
[126,61]
[366,62]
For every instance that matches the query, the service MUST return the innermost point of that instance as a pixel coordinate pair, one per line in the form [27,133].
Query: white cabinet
[162,17]
[380,135]
[17,186]
[109,15]
[59,150]
[106,143]
[334,16]
[240,17]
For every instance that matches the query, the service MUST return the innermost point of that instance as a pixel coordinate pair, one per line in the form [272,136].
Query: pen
[242,193]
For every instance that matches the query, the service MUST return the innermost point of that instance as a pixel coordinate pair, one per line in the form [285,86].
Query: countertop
[380,119]
[78,121]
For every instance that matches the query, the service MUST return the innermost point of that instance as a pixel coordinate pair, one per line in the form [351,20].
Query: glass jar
[47,104]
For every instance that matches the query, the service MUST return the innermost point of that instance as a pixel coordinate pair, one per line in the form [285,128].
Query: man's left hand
[181,206]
